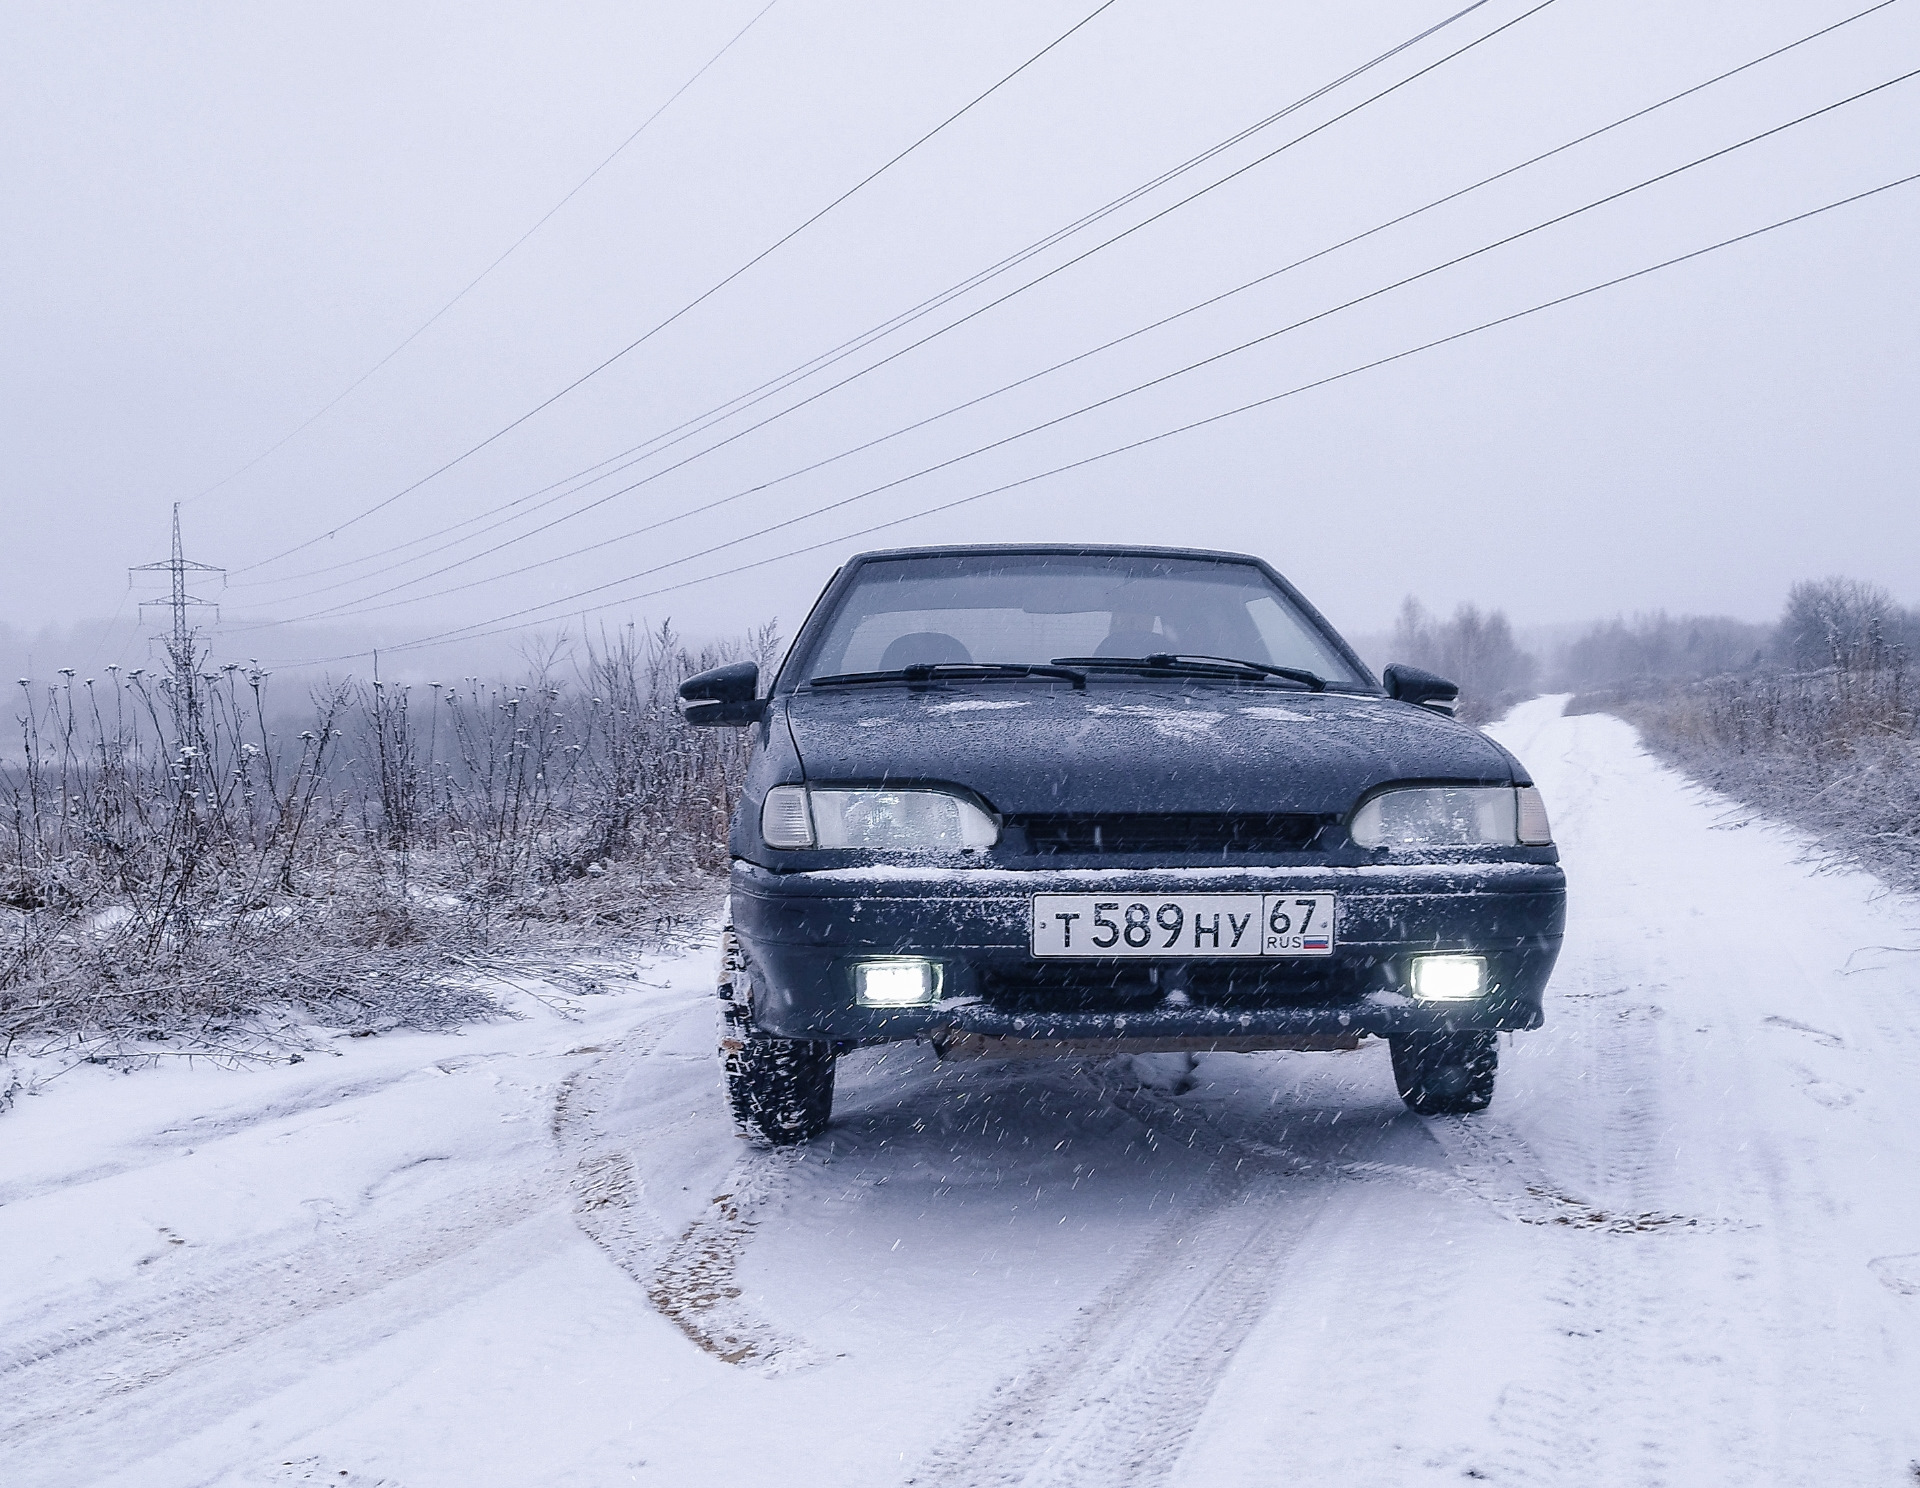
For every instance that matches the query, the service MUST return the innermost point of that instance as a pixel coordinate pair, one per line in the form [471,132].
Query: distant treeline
[1832,624]
[1835,623]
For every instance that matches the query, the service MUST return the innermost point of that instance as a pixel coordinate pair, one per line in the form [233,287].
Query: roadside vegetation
[187,857]
[1815,720]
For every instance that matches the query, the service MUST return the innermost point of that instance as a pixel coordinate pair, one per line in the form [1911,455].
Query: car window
[984,634]
[1287,641]
[1030,608]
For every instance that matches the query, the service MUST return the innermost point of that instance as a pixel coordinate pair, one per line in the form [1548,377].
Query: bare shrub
[174,863]
[1475,649]
[1836,752]
[1813,720]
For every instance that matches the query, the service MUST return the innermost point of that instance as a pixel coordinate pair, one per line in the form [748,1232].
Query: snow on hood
[1158,747]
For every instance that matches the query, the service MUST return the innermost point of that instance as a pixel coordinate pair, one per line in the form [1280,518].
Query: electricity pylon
[180,645]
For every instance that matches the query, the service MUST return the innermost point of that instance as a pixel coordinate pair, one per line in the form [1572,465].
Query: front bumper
[799,933]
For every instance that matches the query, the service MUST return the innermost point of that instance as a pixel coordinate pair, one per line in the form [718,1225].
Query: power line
[482,629]
[360,608]
[474,282]
[106,635]
[720,412]
[1031,377]
[870,367]
[698,299]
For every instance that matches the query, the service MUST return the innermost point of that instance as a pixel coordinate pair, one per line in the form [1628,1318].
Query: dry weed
[175,864]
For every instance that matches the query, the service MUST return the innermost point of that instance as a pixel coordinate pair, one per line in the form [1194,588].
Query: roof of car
[1063,550]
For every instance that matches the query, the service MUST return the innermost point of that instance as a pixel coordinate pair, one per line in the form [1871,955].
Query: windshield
[1028,608]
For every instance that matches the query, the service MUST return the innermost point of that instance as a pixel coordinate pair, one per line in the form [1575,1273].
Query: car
[1091,800]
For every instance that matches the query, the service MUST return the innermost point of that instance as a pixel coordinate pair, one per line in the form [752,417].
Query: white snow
[1186,724]
[1683,1247]
[1277,715]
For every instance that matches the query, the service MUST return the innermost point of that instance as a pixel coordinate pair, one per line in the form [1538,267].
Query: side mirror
[1412,685]
[724,695]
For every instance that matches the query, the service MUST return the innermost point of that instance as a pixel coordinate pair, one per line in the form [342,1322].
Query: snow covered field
[1682,1248]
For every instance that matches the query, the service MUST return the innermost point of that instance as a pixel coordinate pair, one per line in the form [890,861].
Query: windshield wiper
[954,671]
[1195,666]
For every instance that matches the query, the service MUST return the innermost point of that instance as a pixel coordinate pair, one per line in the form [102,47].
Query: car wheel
[781,1090]
[1445,1074]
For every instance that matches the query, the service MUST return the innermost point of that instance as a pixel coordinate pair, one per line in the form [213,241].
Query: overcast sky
[219,217]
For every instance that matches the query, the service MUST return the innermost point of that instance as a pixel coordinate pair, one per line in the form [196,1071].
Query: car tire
[781,1090]
[1445,1074]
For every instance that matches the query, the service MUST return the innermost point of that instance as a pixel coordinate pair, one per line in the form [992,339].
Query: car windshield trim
[1173,665]
[956,671]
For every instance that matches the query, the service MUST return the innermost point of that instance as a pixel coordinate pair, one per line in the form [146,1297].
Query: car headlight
[886,820]
[1454,816]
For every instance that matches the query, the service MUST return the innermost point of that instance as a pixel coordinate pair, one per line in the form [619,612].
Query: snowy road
[1682,1248]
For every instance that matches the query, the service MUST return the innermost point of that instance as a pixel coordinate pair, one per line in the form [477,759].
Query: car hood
[1153,748]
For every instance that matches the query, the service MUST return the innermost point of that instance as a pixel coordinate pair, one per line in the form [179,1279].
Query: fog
[220,218]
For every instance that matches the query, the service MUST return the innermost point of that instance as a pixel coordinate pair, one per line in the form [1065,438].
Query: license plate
[1182,925]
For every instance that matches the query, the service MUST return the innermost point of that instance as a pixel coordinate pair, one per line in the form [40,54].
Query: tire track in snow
[689,1278]
[124,1383]
[1606,1047]
[166,1357]
[1494,1165]
[696,1284]
[1642,1320]
[1112,1400]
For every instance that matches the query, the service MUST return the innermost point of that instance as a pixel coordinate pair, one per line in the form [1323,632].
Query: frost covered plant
[1835,751]
[177,858]
[1814,719]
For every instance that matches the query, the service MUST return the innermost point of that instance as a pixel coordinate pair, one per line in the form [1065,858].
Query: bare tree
[1474,648]
[1842,623]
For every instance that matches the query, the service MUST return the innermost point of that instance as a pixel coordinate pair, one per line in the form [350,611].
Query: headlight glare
[885,820]
[1449,978]
[1439,816]
[896,981]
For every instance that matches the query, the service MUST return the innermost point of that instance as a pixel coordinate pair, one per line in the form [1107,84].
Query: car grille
[1134,989]
[1208,833]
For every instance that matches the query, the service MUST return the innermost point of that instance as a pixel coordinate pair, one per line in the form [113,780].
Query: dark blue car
[1036,800]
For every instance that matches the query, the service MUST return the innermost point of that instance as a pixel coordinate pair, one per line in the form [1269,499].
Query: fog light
[899,981]
[1449,978]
